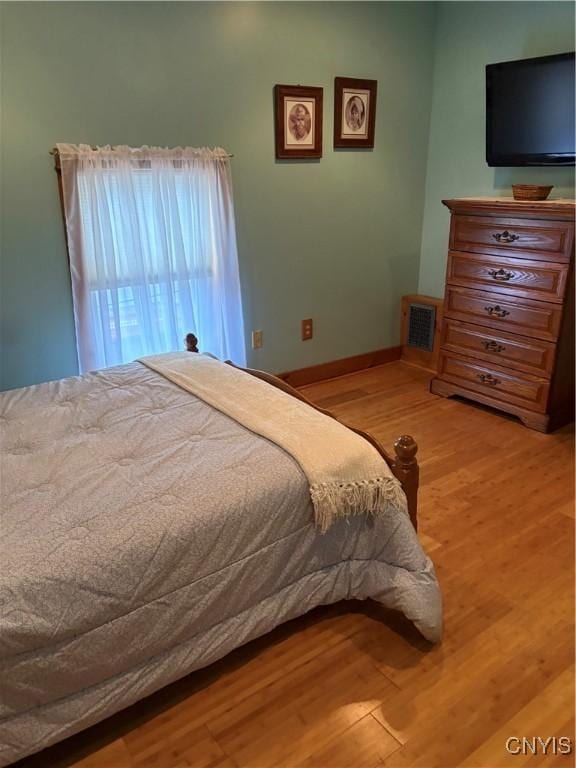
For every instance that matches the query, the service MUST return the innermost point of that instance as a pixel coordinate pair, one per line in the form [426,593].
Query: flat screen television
[530,111]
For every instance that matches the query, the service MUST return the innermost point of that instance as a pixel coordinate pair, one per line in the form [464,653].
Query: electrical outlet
[256,339]
[307,329]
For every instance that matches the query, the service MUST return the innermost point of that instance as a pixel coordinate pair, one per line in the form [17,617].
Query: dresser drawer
[536,239]
[513,277]
[494,381]
[517,352]
[536,319]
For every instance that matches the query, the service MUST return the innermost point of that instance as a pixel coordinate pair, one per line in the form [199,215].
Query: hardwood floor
[349,686]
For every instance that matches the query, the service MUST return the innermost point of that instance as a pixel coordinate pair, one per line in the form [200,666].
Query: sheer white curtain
[152,246]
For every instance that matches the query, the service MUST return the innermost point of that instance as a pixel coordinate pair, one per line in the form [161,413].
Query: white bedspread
[145,535]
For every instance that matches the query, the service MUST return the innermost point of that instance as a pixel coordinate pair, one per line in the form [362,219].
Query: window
[152,249]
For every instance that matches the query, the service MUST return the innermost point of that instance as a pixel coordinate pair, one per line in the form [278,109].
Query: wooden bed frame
[403,465]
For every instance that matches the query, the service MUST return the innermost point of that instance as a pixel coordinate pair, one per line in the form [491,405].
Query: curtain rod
[55,152]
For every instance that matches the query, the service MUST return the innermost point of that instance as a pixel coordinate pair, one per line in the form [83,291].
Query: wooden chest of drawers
[508,332]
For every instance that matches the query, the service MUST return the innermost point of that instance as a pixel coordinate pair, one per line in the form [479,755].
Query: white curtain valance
[122,151]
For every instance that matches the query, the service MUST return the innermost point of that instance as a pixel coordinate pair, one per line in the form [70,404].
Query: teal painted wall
[336,240]
[470,35]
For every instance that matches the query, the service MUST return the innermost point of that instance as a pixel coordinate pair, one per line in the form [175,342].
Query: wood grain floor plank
[180,744]
[364,745]
[299,717]
[113,755]
[540,716]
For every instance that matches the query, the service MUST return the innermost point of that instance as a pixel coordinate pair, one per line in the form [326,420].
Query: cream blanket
[346,474]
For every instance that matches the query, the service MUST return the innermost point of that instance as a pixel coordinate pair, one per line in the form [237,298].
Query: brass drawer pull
[500,274]
[493,346]
[487,378]
[497,311]
[505,237]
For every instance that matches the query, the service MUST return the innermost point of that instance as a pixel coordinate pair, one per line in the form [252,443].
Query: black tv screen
[530,111]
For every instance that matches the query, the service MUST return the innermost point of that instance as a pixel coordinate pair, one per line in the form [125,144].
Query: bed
[146,534]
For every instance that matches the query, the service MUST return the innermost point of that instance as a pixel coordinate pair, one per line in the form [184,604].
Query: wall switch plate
[256,339]
[307,329]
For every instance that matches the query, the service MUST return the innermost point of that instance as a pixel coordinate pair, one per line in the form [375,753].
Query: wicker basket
[530,192]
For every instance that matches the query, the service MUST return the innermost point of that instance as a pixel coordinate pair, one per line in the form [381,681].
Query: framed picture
[354,112]
[298,121]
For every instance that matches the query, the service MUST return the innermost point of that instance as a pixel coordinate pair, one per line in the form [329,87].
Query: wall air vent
[421,322]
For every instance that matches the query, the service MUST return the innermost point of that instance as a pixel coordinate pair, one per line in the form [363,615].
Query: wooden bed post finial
[406,449]
[406,469]
[191,343]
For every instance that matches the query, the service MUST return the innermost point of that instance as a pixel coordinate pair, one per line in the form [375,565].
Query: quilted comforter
[144,534]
